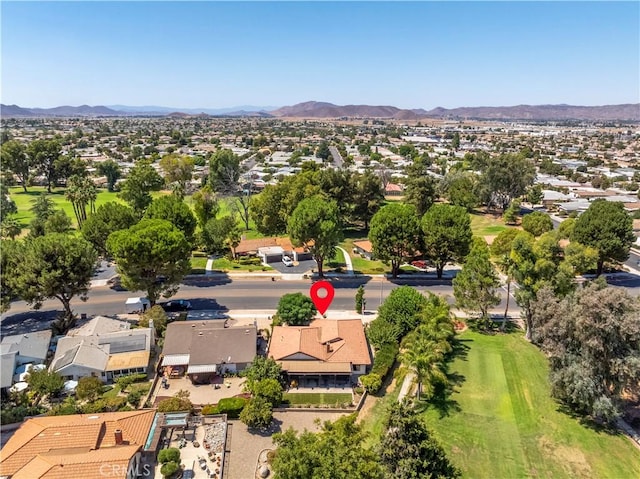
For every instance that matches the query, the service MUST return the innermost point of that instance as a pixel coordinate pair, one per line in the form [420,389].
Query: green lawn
[318,398]
[361,265]
[502,423]
[486,225]
[224,264]
[24,201]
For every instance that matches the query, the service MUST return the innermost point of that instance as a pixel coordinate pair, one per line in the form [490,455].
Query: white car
[287,261]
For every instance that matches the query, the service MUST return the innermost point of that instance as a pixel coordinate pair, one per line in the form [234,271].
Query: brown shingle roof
[252,245]
[74,439]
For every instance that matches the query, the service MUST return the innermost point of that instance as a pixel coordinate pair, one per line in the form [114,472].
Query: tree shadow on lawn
[441,400]
[493,327]
[588,422]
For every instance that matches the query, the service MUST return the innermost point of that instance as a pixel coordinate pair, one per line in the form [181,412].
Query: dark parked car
[176,305]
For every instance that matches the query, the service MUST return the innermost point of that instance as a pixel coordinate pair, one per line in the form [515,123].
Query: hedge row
[382,364]
[232,407]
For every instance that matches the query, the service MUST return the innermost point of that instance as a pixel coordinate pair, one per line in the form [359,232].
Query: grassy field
[361,265]
[24,202]
[487,225]
[318,398]
[502,423]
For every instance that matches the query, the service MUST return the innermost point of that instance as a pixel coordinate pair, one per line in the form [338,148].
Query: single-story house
[363,248]
[271,250]
[8,354]
[327,352]
[108,444]
[204,349]
[103,347]
[30,347]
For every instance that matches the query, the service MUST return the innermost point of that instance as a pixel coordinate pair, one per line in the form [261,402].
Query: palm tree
[425,357]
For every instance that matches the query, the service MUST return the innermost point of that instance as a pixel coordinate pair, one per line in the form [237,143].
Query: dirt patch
[572,459]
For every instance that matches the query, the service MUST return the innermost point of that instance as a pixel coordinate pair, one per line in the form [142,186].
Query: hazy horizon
[220,55]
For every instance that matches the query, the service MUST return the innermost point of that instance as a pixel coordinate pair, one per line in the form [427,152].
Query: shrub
[169,469]
[384,359]
[258,413]
[371,382]
[169,455]
[209,409]
[89,388]
[134,397]
[125,381]
[232,407]
[175,404]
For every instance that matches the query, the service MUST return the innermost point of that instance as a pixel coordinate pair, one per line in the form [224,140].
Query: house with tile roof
[103,347]
[326,352]
[108,444]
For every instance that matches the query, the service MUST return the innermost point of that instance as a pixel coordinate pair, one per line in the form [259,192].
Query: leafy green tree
[607,227]
[148,251]
[337,451]
[316,225]
[501,251]
[506,177]
[111,170]
[172,209]
[43,154]
[7,205]
[224,172]
[54,266]
[170,468]
[337,185]
[177,169]
[89,388]
[460,188]
[592,339]
[10,228]
[216,232]
[258,413]
[8,257]
[109,217]
[157,315]
[407,449]
[44,382]
[565,229]
[269,389]
[401,308]
[14,158]
[455,141]
[171,454]
[511,213]
[57,222]
[81,192]
[394,234]
[69,165]
[447,235]
[381,332]
[537,223]
[205,205]
[136,189]
[180,402]
[360,301]
[420,189]
[367,196]
[535,195]
[260,369]
[295,309]
[475,286]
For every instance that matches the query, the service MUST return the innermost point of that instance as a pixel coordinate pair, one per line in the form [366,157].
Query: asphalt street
[227,294]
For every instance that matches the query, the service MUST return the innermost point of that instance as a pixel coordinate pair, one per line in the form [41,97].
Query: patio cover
[202,368]
[315,367]
[175,360]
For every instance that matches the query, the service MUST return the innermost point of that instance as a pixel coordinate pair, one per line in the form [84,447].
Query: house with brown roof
[272,249]
[204,349]
[110,444]
[364,248]
[327,352]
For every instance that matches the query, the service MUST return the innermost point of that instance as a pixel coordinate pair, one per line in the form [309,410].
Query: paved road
[227,294]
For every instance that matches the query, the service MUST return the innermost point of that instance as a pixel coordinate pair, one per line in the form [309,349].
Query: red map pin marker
[321,293]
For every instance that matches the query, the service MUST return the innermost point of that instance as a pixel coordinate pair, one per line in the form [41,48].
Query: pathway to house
[406,386]
[208,269]
[347,260]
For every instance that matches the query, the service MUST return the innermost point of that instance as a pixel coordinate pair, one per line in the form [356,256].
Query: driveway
[299,267]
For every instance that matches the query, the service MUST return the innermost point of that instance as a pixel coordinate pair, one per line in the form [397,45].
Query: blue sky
[410,55]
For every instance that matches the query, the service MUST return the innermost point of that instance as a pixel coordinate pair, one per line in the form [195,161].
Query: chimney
[118,435]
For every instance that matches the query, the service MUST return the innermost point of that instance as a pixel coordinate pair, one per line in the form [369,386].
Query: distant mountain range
[314,109]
